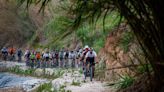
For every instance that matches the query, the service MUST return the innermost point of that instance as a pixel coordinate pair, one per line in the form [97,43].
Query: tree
[146,18]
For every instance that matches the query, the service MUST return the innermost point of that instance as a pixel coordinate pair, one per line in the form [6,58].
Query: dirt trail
[68,78]
[75,77]
[94,86]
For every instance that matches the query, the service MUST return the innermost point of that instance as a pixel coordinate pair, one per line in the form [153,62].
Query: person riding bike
[38,57]
[90,63]
[19,55]
[4,52]
[84,52]
[56,58]
[11,52]
[32,58]
[66,56]
[72,58]
[27,57]
[46,57]
[61,57]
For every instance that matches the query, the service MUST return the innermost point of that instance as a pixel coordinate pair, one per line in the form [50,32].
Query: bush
[144,68]
[58,73]
[47,87]
[75,83]
[124,82]
[125,40]
[100,69]
[61,89]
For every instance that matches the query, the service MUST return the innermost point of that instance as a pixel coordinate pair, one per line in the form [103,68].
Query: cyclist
[19,55]
[38,57]
[78,55]
[66,56]
[90,62]
[84,52]
[27,57]
[32,57]
[72,58]
[4,52]
[57,58]
[11,52]
[53,58]
[46,58]
[61,57]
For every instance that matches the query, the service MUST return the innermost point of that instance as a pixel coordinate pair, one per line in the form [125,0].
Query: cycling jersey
[91,54]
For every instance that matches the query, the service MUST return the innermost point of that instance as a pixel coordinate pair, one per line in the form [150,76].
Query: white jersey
[72,55]
[27,52]
[45,55]
[89,54]
[50,55]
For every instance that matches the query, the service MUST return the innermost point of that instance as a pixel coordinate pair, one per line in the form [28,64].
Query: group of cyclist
[50,58]
[11,53]
[81,57]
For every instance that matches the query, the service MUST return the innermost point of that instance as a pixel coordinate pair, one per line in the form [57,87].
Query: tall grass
[125,40]
[47,87]
[124,82]
[31,72]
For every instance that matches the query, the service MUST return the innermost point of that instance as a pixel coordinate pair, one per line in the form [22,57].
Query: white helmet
[86,46]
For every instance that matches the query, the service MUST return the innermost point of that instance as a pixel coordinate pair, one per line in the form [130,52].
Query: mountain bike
[88,70]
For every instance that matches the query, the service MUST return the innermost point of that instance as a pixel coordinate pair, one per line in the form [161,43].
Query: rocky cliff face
[115,58]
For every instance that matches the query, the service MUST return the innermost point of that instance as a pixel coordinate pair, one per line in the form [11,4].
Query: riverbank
[15,89]
[8,81]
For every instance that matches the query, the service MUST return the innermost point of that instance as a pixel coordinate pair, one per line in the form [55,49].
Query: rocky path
[71,80]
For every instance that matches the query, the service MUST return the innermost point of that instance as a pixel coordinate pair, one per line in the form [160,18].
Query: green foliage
[94,35]
[144,68]
[20,71]
[62,88]
[124,82]
[125,40]
[46,87]
[31,72]
[57,29]
[99,43]
[81,71]
[75,83]
[100,69]
[58,73]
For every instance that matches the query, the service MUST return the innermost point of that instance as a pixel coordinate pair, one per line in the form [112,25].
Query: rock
[49,71]
[38,72]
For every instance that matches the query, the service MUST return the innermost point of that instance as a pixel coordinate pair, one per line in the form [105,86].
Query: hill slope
[17,25]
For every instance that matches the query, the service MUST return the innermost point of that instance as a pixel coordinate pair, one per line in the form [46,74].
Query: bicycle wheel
[91,72]
[85,72]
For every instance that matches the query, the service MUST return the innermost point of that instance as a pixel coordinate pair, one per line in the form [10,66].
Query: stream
[27,83]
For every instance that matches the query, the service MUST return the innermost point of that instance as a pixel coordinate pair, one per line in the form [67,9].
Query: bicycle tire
[91,73]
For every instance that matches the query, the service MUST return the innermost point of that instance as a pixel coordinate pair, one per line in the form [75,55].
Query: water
[11,80]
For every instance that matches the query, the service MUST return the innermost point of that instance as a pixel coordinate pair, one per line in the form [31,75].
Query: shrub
[144,68]
[47,87]
[125,40]
[75,83]
[124,82]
